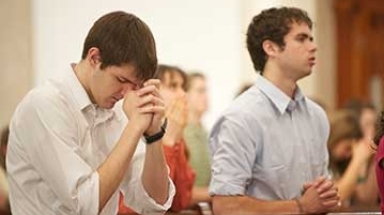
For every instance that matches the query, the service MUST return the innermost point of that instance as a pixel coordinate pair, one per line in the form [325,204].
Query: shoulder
[251,102]
[46,102]
[318,117]
[49,94]
[241,120]
[316,110]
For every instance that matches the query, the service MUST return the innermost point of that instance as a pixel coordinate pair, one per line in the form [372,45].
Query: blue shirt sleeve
[233,154]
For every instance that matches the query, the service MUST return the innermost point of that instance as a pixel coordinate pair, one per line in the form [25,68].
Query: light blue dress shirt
[267,145]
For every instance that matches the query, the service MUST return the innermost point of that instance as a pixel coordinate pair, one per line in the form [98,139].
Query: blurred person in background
[347,155]
[173,89]
[367,115]
[195,134]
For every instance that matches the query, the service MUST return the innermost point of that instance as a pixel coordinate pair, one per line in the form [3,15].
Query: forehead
[298,28]
[197,81]
[128,71]
[173,76]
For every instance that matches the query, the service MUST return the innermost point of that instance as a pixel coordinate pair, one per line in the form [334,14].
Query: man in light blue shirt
[268,148]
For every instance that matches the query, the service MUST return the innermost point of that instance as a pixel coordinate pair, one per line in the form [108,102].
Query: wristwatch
[158,135]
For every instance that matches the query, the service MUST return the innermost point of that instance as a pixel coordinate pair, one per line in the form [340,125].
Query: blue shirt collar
[278,98]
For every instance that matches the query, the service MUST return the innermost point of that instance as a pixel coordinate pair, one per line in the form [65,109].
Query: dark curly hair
[379,129]
[272,24]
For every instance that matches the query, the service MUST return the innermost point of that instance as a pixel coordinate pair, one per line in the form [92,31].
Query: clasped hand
[145,107]
[319,196]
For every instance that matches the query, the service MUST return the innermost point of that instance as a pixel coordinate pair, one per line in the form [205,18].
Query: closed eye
[122,80]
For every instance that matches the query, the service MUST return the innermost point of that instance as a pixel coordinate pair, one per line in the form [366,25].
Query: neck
[280,79]
[83,73]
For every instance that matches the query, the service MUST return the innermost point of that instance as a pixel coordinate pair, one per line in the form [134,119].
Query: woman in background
[195,134]
[349,152]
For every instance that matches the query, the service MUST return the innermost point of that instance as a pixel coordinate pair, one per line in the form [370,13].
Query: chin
[305,74]
[107,105]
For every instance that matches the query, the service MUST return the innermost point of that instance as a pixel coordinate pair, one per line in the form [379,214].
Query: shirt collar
[81,97]
[78,92]
[278,97]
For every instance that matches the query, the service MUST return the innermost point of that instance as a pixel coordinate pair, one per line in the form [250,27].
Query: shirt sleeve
[181,174]
[325,128]
[135,195]
[46,132]
[233,153]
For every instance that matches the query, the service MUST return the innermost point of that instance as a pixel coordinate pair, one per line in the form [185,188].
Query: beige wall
[16,76]
[326,56]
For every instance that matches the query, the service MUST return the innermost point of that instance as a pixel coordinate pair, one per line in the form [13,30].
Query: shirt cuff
[218,187]
[88,196]
[149,205]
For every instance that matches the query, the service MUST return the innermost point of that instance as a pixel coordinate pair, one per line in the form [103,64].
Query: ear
[93,56]
[270,48]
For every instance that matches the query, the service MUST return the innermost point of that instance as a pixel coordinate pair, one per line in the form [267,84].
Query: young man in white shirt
[72,152]
[269,151]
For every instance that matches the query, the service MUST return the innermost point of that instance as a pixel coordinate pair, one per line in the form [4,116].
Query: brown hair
[358,106]
[162,69]
[123,38]
[344,126]
[272,24]
[191,77]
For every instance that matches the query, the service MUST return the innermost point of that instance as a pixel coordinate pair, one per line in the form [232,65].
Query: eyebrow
[138,83]
[305,35]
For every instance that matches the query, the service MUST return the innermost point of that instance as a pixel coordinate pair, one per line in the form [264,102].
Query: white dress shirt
[58,139]
[267,145]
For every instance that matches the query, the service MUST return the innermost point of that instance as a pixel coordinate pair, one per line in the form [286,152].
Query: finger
[332,202]
[150,99]
[319,181]
[183,98]
[307,185]
[146,90]
[155,82]
[178,110]
[182,109]
[156,92]
[328,194]
[152,109]
[326,185]
[170,110]
[151,89]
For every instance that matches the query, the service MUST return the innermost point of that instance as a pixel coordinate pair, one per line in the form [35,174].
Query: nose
[312,47]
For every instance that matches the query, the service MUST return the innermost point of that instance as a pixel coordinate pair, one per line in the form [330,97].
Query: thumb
[307,185]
